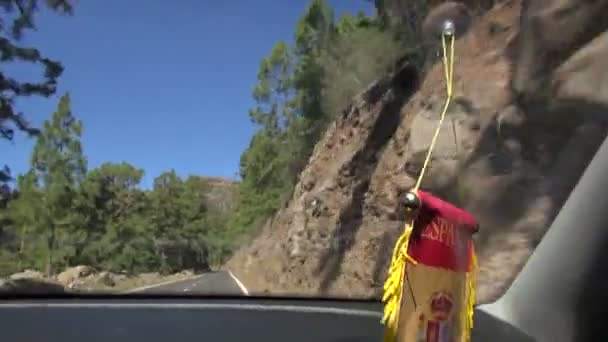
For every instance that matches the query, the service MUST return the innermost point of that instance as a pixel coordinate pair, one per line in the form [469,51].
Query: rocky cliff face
[530,108]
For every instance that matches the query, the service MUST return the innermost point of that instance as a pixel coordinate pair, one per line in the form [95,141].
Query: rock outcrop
[30,282]
[530,109]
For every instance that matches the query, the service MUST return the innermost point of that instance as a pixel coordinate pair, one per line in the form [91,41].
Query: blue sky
[157,85]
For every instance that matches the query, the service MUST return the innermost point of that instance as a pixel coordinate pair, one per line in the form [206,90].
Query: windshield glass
[266,148]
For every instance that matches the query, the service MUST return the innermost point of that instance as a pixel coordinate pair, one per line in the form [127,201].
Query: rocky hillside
[221,192]
[530,92]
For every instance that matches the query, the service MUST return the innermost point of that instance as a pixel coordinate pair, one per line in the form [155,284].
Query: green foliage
[16,17]
[290,117]
[58,168]
[358,55]
[113,210]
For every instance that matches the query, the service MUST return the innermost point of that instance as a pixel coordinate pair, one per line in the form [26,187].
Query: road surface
[217,283]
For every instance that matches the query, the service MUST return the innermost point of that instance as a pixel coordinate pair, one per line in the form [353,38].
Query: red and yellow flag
[436,277]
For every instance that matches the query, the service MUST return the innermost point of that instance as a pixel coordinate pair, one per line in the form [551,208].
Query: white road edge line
[238,282]
[162,284]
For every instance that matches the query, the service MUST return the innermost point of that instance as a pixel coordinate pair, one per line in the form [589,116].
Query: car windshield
[267,148]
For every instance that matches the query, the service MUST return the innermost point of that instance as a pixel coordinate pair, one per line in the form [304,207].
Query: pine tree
[60,167]
[288,110]
[113,209]
[17,16]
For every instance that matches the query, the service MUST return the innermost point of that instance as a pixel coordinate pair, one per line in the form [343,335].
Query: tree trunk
[49,259]
[21,248]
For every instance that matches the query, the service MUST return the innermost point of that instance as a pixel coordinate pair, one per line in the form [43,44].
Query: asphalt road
[217,283]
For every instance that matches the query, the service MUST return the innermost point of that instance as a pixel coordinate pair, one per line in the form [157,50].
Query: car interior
[560,295]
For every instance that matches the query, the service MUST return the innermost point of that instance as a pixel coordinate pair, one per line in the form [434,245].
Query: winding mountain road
[216,283]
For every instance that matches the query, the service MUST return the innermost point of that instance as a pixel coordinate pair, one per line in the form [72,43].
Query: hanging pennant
[438,292]
[429,293]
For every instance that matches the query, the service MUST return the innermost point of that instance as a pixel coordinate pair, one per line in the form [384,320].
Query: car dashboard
[136,318]
[148,319]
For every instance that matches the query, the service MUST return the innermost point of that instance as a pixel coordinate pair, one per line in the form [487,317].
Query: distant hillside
[222,192]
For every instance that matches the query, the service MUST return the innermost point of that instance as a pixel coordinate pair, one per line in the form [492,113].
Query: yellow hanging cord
[393,286]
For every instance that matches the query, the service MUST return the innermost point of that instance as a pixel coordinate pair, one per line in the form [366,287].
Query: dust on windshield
[211,150]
